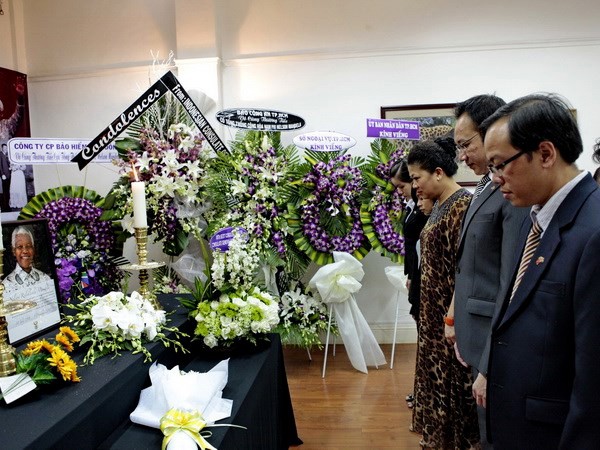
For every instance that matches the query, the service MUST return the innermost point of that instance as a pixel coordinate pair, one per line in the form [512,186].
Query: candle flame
[135,174]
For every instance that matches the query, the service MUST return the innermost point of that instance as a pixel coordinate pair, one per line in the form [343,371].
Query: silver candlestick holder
[144,266]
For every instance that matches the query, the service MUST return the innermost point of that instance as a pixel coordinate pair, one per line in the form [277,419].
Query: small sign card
[393,129]
[53,151]
[14,387]
[324,141]
[260,119]
[221,239]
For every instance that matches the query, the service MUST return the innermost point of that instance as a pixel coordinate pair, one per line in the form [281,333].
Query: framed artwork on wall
[435,120]
[29,275]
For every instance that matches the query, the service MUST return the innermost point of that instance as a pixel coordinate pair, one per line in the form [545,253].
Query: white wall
[333,62]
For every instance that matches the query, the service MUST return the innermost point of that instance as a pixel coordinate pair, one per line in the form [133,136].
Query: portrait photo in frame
[29,275]
[435,121]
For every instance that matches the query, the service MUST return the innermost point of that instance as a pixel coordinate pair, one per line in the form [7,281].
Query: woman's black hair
[400,171]
[596,154]
[430,155]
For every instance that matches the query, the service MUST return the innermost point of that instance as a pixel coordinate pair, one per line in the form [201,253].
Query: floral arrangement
[235,316]
[85,248]
[116,322]
[250,189]
[44,362]
[326,216]
[235,269]
[227,304]
[382,204]
[302,317]
[174,170]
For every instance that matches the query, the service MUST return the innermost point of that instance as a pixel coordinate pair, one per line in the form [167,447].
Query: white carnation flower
[210,341]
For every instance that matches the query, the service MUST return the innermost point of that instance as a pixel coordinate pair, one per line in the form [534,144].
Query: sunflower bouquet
[44,362]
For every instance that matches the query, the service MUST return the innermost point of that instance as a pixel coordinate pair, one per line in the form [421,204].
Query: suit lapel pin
[539,261]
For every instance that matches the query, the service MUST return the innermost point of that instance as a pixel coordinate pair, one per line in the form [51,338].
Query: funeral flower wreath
[382,205]
[327,216]
[174,170]
[85,248]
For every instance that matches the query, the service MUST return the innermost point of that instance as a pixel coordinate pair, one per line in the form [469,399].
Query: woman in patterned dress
[444,412]
[412,223]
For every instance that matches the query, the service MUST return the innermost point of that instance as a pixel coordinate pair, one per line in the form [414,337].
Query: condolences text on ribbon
[166,83]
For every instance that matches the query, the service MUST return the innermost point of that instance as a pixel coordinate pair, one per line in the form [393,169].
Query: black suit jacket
[4,165]
[489,237]
[545,354]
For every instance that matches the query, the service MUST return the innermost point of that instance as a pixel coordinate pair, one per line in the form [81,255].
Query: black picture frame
[42,289]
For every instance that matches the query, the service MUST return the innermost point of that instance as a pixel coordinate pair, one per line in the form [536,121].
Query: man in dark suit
[544,366]
[487,245]
[5,177]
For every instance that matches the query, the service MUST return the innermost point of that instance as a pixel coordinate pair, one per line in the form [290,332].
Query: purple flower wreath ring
[84,246]
[382,205]
[328,217]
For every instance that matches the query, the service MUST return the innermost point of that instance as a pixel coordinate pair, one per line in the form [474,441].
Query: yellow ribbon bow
[190,423]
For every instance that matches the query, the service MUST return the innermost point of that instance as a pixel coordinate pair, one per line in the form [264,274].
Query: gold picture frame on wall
[435,120]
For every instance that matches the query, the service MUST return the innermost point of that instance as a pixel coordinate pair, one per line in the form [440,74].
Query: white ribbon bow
[396,276]
[337,283]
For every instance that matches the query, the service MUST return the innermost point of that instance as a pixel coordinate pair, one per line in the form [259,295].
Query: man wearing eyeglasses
[544,365]
[487,244]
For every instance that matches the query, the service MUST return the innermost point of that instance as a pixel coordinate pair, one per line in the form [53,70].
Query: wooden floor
[349,409]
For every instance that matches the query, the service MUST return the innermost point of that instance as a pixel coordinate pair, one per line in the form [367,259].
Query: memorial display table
[261,403]
[95,412]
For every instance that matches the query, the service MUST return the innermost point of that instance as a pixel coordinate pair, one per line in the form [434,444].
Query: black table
[258,386]
[95,412]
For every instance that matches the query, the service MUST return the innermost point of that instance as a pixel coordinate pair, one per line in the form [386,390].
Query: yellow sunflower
[73,337]
[48,346]
[64,341]
[70,369]
[63,363]
[36,346]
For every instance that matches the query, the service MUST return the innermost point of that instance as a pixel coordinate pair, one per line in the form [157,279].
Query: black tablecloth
[257,385]
[95,412]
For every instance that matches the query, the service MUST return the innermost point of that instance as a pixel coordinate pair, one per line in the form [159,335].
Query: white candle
[138,190]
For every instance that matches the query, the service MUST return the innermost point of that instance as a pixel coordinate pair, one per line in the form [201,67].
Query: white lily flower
[144,162]
[238,187]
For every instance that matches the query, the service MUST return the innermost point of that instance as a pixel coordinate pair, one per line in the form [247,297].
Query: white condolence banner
[53,151]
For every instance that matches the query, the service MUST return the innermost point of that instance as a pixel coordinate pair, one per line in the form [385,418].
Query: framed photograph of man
[435,121]
[29,275]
